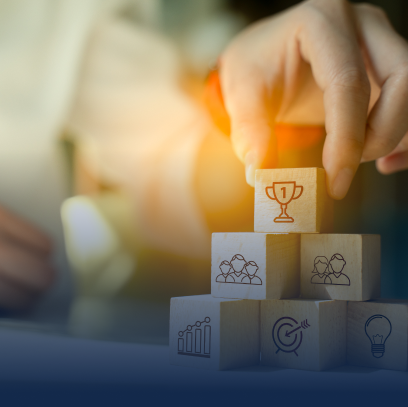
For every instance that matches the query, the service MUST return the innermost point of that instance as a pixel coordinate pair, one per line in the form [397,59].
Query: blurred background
[102,116]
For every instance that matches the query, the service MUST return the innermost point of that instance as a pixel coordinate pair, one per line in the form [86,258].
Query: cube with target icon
[214,333]
[255,265]
[303,334]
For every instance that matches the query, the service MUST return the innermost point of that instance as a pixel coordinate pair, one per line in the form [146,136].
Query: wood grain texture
[333,334]
[357,257]
[303,334]
[214,333]
[324,204]
[239,336]
[359,346]
[312,210]
[271,260]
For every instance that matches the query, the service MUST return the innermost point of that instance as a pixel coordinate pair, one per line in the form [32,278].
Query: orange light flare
[292,139]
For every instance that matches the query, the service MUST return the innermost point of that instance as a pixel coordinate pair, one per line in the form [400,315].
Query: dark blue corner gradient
[109,394]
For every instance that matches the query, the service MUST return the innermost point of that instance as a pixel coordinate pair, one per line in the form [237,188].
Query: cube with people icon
[303,334]
[340,266]
[377,334]
[292,200]
[255,265]
[214,333]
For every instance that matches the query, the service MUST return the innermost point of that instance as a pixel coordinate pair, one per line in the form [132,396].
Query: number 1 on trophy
[282,199]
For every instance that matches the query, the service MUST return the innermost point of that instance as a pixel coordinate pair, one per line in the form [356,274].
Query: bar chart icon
[195,340]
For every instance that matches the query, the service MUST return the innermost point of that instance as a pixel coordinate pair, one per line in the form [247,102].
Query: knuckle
[378,144]
[314,18]
[313,11]
[354,144]
[382,146]
[401,76]
[352,78]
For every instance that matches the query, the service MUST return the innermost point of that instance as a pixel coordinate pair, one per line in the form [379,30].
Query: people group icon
[238,271]
[329,272]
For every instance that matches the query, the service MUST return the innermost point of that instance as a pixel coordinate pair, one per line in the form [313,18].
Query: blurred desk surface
[64,370]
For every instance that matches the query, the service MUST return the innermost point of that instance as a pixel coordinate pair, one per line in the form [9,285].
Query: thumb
[252,113]
[254,144]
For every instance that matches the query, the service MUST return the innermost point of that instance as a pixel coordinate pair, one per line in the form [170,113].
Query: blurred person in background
[129,97]
[101,74]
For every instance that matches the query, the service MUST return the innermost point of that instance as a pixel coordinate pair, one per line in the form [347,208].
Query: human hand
[320,62]
[25,270]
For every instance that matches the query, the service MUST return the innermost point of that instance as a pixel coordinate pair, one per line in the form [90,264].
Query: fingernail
[250,167]
[341,183]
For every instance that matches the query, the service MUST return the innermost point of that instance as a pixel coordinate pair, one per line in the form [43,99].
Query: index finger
[338,69]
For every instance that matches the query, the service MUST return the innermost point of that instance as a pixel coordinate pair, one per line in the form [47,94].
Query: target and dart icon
[287,334]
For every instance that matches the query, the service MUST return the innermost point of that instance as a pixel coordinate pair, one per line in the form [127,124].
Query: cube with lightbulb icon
[377,334]
[214,333]
[255,265]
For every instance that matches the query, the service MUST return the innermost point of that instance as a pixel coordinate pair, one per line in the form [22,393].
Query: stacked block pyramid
[291,294]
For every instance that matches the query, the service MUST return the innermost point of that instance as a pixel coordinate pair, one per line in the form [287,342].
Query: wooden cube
[377,334]
[255,265]
[303,334]
[214,333]
[340,267]
[292,200]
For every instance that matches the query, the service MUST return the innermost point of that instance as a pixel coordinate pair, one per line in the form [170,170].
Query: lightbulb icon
[378,328]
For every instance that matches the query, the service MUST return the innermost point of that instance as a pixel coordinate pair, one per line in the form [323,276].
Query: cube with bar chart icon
[214,333]
[292,200]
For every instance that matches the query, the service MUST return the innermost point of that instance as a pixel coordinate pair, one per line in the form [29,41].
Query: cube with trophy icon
[255,265]
[340,266]
[214,333]
[292,200]
[377,334]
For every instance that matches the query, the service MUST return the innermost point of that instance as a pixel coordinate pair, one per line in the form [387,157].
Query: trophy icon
[284,193]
